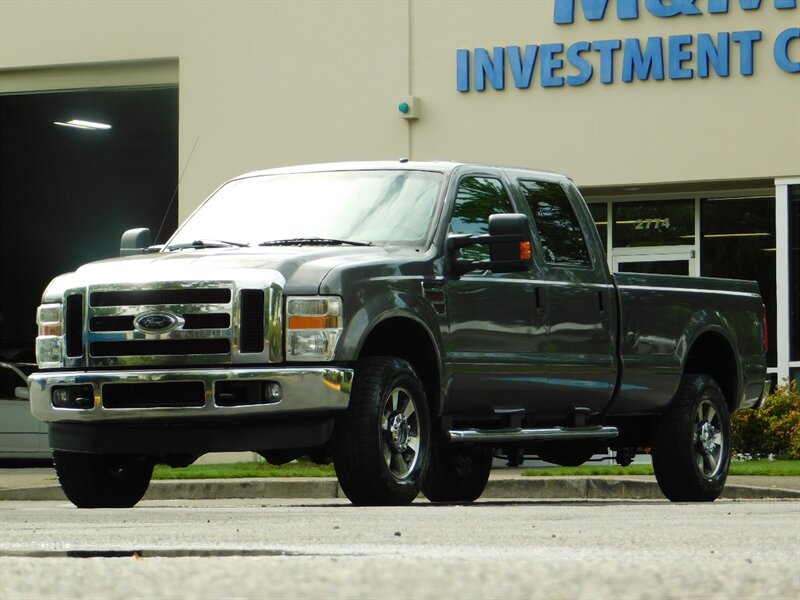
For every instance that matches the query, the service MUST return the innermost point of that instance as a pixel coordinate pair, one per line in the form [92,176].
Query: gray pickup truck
[408,321]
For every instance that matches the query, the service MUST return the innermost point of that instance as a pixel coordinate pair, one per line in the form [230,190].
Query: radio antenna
[175,193]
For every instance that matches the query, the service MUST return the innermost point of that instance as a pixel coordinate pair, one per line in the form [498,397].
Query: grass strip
[771,468]
[308,469]
[244,469]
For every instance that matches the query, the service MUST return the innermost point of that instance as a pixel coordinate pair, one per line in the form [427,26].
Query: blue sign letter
[651,62]
[676,7]
[677,56]
[462,70]
[593,10]
[781,50]
[493,68]
[522,68]
[550,63]
[606,49]
[717,56]
[746,39]
[721,6]
[576,60]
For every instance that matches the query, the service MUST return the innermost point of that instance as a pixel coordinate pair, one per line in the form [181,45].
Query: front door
[495,343]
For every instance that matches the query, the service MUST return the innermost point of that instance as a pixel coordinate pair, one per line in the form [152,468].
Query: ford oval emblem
[156,322]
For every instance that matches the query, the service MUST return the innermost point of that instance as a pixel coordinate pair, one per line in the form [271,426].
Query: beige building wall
[622,133]
[265,84]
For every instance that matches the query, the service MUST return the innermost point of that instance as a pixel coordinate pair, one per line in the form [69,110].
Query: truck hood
[299,269]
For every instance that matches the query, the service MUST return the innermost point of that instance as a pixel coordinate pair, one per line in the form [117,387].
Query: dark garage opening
[67,193]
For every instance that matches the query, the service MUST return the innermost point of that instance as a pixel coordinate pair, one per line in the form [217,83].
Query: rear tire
[457,472]
[692,447]
[102,480]
[382,441]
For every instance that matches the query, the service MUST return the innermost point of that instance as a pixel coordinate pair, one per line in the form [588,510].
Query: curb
[584,488]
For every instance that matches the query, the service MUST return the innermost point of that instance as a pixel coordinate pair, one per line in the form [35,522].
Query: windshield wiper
[313,241]
[207,244]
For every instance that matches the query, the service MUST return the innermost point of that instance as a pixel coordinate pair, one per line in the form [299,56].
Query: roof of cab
[445,167]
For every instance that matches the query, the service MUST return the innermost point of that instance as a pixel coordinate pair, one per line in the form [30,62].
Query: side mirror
[509,242]
[135,241]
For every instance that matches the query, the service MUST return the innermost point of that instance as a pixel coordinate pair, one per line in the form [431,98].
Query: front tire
[102,480]
[692,449]
[457,472]
[381,442]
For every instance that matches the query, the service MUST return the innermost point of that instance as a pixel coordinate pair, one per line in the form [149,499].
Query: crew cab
[408,321]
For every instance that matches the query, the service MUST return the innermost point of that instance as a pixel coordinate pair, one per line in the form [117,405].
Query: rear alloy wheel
[102,480]
[457,472]
[692,450]
[381,443]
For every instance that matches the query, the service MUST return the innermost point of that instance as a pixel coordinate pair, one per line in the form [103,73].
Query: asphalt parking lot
[326,548]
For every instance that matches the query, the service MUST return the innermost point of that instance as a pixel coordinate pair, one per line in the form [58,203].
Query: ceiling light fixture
[81,124]
[731,235]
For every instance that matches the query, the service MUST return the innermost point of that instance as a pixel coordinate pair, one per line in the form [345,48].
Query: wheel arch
[712,353]
[404,337]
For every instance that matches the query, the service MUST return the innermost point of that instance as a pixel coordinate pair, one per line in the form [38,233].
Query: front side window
[559,230]
[477,199]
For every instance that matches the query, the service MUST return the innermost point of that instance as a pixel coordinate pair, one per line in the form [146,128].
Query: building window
[794,272]
[738,241]
[600,216]
[659,223]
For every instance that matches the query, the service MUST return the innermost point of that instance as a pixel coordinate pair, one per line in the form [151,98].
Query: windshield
[378,207]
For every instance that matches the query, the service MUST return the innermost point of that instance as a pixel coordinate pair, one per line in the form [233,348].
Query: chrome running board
[533,435]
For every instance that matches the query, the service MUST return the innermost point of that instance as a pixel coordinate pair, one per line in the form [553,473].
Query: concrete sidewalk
[506,483]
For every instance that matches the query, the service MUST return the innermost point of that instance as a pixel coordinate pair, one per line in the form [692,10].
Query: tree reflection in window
[478,198]
[559,229]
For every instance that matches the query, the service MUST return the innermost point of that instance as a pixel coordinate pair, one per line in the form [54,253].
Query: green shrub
[772,429]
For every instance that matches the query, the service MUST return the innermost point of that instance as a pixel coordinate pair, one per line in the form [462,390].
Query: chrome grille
[216,322]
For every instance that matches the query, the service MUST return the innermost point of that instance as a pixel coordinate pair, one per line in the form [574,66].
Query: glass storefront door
[667,263]
[654,237]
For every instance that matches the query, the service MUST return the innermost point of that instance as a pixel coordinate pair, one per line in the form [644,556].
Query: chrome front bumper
[304,390]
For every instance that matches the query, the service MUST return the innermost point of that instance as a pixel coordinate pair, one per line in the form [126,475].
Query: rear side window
[559,230]
[476,199]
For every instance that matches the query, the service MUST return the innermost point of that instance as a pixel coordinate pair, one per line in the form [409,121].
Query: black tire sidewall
[674,453]
[456,473]
[102,481]
[358,444]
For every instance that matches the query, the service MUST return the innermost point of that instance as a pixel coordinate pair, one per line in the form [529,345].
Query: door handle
[537,298]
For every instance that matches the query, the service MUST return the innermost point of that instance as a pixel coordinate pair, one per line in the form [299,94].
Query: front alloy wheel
[400,430]
[381,442]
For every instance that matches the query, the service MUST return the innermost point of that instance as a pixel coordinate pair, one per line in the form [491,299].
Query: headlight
[313,327]
[49,318]
[50,342]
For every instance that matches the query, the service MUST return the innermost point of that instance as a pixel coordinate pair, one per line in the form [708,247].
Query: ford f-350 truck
[408,321]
